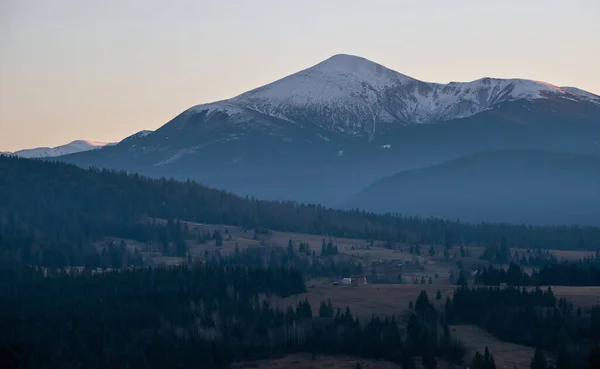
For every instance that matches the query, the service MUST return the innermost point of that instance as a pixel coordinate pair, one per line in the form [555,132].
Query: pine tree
[462,280]
[594,358]
[562,359]
[408,358]
[478,361]
[448,311]
[539,360]
[438,295]
[428,359]
[218,237]
[491,364]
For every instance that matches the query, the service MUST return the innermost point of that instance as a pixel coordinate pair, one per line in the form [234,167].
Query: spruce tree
[539,360]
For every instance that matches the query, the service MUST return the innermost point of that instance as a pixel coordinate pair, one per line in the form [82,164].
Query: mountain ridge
[324,133]
[70,148]
[358,88]
[514,186]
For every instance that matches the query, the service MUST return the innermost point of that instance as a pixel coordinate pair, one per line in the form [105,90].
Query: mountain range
[326,133]
[70,148]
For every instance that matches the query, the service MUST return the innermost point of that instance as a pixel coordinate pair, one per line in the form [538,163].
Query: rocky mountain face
[327,132]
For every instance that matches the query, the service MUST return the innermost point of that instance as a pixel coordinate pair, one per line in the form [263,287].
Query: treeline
[58,206]
[501,254]
[22,243]
[308,263]
[427,336]
[204,317]
[563,274]
[534,318]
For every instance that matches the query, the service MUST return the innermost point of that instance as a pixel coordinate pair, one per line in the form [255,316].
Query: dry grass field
[586,297]
[506,355]
[375,299]
[370,299]
[570,255]
[304,361]
[387,299]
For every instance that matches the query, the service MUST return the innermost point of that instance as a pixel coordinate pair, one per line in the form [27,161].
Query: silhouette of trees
[562,274]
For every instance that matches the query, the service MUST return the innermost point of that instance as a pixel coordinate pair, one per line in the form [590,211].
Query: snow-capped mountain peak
[340,77]
[70,148]
[353,95]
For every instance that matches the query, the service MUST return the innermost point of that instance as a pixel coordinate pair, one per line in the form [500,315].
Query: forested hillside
[204,317]
[516,186]
[50,212]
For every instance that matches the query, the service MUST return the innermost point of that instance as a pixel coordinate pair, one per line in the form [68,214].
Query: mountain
[70,148]
[501,186]
[324,133]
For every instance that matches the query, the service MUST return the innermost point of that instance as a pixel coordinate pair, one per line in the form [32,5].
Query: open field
[373,299]
[370,299]
[304,361]
[569,255]
[388,299]
[506,355]
[586,297]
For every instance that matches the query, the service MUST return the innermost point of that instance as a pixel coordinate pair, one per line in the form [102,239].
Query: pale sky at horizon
[102,70]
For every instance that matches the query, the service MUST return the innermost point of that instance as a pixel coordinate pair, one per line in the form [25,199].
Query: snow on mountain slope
[583,94]
[354,95]
[139,134]
[70,148]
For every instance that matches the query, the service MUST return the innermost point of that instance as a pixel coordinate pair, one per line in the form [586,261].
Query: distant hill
[497,186]
[70,148]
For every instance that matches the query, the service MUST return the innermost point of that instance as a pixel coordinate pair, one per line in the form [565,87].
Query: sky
[102,70]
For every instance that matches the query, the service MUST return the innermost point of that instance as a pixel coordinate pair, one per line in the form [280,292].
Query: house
[358,279]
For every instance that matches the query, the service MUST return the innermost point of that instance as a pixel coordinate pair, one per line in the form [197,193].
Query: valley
[167,242]
[386,298]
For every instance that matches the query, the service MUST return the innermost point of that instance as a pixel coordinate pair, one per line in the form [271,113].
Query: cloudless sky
[104,69]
